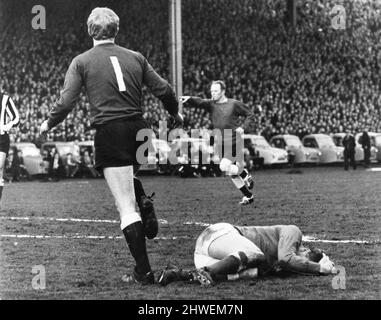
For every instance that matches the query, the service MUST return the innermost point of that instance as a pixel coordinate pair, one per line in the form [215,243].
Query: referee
[113,77]
[9,117]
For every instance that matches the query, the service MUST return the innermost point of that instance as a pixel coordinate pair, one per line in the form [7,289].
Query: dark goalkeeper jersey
[224,115]
[280,244]
[113,77]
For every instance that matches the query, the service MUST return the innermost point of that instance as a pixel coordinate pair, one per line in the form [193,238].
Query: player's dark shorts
[115,143]
[4,143]
[227,148]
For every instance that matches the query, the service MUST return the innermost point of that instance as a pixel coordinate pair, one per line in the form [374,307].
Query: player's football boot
[147,212]
[203,277]
[246,200]
[135,277]
[249,181]
[170,274]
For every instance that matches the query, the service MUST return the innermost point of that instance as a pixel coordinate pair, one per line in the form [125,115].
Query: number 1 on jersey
[118,73]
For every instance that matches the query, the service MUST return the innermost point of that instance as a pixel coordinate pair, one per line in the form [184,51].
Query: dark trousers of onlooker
[71,171]
[13,174]
[349,159]
[366,157]
[56,173]
[89,171]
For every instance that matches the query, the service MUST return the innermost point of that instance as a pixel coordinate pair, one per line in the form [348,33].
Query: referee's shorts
[4,143]
[115,143]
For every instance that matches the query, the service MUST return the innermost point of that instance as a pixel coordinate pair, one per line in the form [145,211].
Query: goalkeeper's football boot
[135,277]
[203,277]
[147,212]
[249,181]
[246,200]
[170,274]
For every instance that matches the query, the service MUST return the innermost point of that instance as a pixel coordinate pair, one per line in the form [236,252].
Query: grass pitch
[327,203]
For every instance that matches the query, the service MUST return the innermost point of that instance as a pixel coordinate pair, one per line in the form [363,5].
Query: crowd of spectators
[308,79]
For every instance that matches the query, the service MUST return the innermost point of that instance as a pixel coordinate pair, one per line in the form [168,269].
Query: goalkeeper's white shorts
[219,241]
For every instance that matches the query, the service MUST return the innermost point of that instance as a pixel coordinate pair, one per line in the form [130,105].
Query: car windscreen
[293,141]
[260,142]
[64,150]
[325,141]
[30,151]
[338,141]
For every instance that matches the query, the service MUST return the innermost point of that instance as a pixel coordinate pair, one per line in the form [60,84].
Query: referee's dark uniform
[113,77]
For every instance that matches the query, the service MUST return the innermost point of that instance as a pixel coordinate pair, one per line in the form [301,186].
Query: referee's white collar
[98,42]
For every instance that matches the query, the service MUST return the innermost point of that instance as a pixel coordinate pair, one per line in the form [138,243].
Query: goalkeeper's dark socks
[228,265]
[139,190]
[246,192]
[136,241]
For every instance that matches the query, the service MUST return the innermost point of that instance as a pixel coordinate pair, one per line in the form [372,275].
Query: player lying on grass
[227,252]
[225,113]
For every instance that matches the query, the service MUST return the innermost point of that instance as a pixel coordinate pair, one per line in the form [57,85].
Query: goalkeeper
[227,252]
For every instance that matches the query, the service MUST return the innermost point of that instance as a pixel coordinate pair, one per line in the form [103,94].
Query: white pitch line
[203,224]
[59,219]
[30,236]
[161,221]
[312,239]
[374,169]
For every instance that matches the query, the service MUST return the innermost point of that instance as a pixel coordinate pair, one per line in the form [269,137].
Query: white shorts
[219,241]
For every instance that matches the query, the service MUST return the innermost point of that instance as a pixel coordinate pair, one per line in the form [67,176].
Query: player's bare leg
[232,170]
[120,182]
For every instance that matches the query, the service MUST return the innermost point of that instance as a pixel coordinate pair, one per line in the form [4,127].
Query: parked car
[269,154]
[162,149]
[375,141]
[86,145]
[330,153]
[63,148]
[182,148]
[359,152]
[295,149]
[160,153]
[33,160]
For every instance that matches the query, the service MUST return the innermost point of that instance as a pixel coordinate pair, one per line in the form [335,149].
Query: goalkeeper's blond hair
[102,24]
